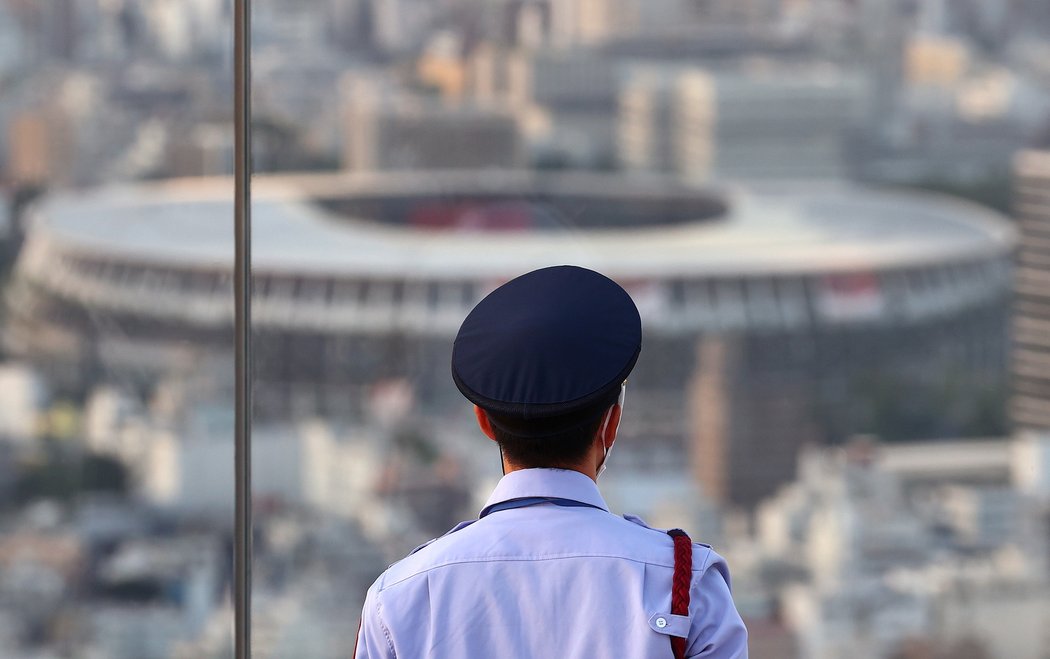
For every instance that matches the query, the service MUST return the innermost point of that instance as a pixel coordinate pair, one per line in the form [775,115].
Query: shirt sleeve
[373,638]
[717,630]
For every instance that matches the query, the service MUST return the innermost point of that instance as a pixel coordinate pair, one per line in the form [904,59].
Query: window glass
[116,411]
[809,202]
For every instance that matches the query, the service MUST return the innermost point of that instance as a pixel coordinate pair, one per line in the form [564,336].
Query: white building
[984,517]
[769,122]
[589,22]
[1030,462]
[646,138]
[12,46]
[107,415]
[592,22]
[398,25]
[848,520]
[868,621]
[187,571]
[23,397]
[390,129]
[938,563]
[1009,617]
[292,465]
[760,122]
[578,91]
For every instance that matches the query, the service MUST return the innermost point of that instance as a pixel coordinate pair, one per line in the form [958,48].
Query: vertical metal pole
[242,285]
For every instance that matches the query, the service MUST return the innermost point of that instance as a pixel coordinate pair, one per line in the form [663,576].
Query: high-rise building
[405,133]
[588,22]
[60,132]
[739,124]
[398,25]
[51,27]
[881,29]
[791,123]
[750,419]
[12,44]
[647,136]
[39,149]
[593,22]
[1030,407]
[577,89]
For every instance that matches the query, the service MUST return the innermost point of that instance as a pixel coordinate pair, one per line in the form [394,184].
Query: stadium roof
[784,228]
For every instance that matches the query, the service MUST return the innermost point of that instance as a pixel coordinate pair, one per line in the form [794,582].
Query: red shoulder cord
[680,582]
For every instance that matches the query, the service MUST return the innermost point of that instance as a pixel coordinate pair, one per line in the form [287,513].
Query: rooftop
[786,228]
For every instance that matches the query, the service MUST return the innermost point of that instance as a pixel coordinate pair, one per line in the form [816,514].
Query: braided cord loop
[680,583]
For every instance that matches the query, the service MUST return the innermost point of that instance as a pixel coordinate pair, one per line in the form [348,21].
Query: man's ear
[610,426]
[484,423]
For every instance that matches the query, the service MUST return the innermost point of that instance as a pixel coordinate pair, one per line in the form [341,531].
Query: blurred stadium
[865,302]
[833,214]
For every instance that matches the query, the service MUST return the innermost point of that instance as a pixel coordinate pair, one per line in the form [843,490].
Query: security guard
[546,571]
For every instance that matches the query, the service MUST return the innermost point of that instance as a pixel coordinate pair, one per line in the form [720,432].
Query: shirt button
[661,622]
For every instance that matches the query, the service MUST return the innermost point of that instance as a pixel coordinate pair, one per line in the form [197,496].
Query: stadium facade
[775,316]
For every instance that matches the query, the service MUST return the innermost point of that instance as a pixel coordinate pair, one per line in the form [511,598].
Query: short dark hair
[561,450]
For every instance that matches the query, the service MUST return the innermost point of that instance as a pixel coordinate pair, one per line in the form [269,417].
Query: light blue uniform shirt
[548,582]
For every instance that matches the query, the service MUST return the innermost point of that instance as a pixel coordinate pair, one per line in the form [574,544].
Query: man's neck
[591,473]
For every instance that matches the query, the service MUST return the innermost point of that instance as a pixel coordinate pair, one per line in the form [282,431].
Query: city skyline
[830,214]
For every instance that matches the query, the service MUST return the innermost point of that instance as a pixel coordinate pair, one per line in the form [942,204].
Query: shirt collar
[563,483]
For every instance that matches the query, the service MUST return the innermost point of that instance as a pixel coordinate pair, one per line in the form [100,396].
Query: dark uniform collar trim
[562,483]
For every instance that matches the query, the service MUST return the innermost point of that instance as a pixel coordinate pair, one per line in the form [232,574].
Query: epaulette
[634,519]
[457,527]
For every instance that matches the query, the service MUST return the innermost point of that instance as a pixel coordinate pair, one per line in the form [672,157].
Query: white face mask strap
[605,424]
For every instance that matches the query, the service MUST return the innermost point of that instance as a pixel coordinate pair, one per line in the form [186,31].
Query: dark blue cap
[548,350]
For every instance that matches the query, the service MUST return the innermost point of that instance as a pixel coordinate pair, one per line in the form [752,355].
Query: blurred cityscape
[834,216]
